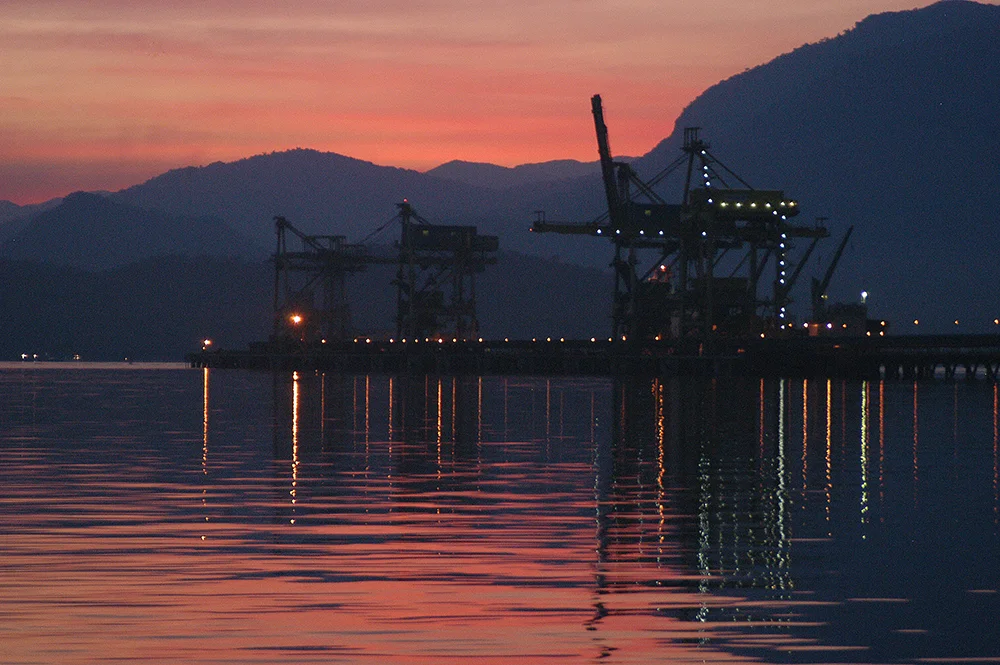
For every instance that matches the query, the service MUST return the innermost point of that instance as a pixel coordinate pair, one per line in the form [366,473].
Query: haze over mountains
[94,232]
[892,127]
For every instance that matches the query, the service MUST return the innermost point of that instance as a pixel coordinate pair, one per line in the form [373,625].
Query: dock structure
[436,276]
[891,358]
[692,294]
[697,267]
[436,267]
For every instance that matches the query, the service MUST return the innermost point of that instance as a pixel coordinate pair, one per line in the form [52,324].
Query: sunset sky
[102,94]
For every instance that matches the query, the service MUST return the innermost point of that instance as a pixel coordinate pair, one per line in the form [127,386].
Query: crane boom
[607,164]
[836,259]
[801,264]
[819,287]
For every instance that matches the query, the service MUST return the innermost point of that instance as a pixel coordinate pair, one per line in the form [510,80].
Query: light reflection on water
[206,516]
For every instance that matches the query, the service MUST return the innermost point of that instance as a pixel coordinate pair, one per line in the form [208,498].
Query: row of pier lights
[996,322]
[206,344]
[463,340]
[442,340]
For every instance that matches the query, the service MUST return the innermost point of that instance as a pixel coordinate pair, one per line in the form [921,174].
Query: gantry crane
[436,267]
[436,277]
[680,293]
[310,296]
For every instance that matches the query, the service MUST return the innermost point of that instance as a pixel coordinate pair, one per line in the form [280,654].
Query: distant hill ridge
[504,177]
[893,127]
[90,231]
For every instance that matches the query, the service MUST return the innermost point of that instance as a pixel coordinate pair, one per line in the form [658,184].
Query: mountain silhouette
[15,218]
[892,127]
[322,193]
[491,176]
[8,210]
[158,308]
[92,232]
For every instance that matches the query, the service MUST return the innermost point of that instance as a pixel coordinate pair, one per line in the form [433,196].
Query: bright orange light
[295,319]
[206,342]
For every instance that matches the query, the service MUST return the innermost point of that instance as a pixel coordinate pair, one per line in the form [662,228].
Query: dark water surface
[189,516]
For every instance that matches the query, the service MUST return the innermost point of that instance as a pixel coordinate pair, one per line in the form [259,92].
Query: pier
[904,357]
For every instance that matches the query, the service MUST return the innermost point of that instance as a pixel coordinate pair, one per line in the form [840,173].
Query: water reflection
[696,513]
[312,517]
[688,506]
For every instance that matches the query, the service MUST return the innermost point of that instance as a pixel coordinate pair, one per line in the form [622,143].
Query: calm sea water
[186,516]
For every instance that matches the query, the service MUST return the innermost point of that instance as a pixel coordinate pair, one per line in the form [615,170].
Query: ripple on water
[239,517]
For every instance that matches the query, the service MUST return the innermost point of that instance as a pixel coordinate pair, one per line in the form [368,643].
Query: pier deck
[899,357]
